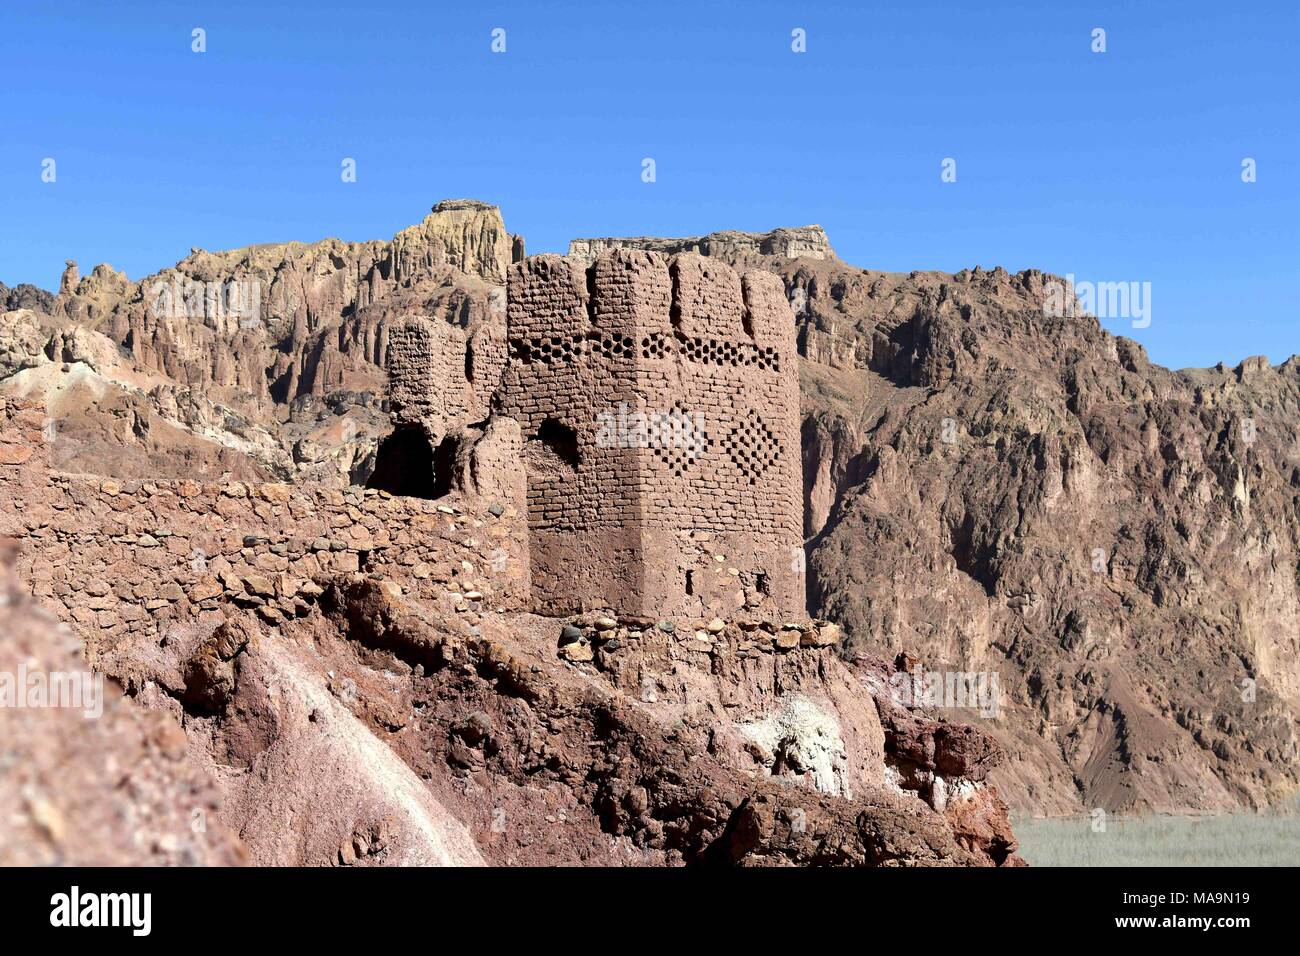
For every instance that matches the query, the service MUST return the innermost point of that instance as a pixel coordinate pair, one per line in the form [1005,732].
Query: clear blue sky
[1122,166]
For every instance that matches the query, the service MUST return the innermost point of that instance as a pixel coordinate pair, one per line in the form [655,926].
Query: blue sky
[1121,166]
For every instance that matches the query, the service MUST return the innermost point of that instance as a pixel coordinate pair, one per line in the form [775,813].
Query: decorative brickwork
[700,511]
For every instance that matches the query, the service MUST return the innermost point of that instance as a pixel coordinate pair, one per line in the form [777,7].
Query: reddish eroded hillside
[996,489]
[86,777]
[358,686]
[988,488]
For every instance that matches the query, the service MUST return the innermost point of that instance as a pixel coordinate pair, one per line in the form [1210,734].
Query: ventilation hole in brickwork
[690,582]
[591,294]
[654,346]
[404,465]
[675,309]
[559,441]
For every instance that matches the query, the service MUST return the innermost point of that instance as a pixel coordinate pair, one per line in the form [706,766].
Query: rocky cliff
[988,489]
[737,249]
[266,361]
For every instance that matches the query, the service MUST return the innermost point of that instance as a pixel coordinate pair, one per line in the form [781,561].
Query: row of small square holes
[566,348]
[713,352]
[550,349]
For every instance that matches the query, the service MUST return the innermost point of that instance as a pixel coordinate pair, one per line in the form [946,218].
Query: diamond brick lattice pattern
[752,446]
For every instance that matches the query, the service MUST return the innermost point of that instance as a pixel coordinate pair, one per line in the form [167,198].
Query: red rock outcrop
[86,777]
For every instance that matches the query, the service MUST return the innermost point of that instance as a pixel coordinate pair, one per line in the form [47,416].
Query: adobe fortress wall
[702,520]
[442,375]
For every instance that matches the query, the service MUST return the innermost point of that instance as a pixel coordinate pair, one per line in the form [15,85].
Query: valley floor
[1226,840]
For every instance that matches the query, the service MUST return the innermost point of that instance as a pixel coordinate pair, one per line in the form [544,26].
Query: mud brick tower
[629,520]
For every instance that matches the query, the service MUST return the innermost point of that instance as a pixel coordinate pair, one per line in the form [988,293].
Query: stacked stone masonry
[126,559]
[698,513]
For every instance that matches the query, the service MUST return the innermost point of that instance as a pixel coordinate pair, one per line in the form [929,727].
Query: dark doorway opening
[407,464]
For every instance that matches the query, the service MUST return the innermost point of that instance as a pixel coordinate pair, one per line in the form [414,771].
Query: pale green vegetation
[1229,840]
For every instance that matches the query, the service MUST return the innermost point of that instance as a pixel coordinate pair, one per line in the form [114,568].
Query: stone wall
[126,559]
[704,520]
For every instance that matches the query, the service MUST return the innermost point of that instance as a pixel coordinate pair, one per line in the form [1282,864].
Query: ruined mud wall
[442,375]
[710,523]
[128,559]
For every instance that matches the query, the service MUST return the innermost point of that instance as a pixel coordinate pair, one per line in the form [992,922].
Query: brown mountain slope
[988,489]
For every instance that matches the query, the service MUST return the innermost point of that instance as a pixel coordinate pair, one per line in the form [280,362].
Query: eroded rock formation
[263,362]
[986,489]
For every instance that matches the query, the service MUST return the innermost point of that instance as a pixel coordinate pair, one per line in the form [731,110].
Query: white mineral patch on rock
[803,739]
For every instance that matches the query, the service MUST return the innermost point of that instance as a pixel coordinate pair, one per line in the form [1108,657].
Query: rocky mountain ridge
[737,249]
[277,351]
[988,489]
